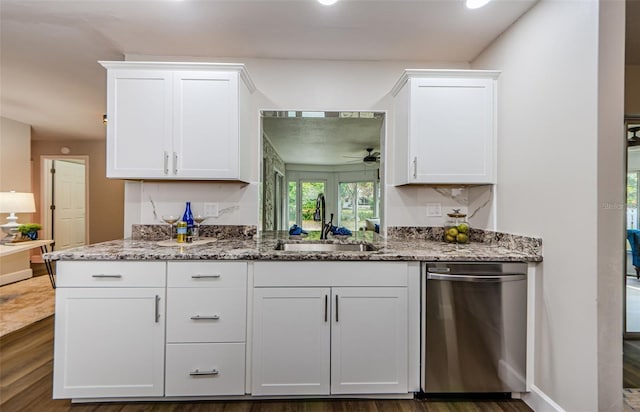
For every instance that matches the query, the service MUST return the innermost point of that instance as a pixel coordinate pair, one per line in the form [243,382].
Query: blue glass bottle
[188,218]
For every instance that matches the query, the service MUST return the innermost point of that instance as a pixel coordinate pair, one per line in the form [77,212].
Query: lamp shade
[17,202]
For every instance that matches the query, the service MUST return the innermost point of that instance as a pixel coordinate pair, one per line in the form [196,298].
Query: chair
[633,236]
[49,266]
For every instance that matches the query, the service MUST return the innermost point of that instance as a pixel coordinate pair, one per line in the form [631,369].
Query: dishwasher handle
[483,278]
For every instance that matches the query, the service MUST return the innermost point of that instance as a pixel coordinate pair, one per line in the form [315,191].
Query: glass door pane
[357,203]
[632,250]
[292,206]
[309,195]
[632,283]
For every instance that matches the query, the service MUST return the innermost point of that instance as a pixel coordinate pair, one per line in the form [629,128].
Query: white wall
[632,91]
[550,175]
[15,161]
[15,156]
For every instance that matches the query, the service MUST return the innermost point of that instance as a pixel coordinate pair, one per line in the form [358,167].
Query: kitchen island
[239,317]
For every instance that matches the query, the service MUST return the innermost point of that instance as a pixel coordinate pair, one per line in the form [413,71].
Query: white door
[206,124]
[109,342]
[139,110]
[369,340]
[69,215]
[291,338]
[452,131]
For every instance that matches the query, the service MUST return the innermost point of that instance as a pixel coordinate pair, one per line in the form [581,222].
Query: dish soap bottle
[187,217]
[456,229]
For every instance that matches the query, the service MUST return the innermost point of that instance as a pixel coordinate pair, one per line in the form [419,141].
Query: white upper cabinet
[178,121]
[445,127]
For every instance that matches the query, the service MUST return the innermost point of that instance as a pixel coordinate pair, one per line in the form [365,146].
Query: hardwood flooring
[26,376]
[631,364]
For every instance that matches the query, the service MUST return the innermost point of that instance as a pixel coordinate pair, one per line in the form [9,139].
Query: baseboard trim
[540,401]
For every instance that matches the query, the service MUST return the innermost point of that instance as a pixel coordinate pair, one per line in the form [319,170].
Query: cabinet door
[369,340]
[206,125]
[452,131]
[109,342]
[291,338]
[139,108]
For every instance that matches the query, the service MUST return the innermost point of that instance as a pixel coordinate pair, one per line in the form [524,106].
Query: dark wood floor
[26,375]
[631,364]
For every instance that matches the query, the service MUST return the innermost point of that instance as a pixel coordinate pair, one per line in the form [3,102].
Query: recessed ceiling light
[327,2]
[476,4]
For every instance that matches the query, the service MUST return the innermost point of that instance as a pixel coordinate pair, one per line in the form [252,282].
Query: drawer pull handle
[198,372]
[205,276]
[166,162]
[157,308]
[200,317]
[102,276]
[175,163]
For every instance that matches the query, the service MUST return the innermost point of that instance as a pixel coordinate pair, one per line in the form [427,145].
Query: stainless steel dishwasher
[474,327]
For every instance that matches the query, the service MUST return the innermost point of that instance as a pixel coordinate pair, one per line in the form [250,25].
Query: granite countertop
[263,247]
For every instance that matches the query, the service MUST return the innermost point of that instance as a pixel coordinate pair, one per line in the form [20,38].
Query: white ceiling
[323,141]
[49,48]
[49,77]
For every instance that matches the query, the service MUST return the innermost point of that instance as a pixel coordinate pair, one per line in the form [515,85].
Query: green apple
[453,232]
[463,228]
[462,238]
[450,238]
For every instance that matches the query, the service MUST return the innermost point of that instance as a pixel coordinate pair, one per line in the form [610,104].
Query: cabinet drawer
[206,315]
[207,274]
[110,274]
[201,369]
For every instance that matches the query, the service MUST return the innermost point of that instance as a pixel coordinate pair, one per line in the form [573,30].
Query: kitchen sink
[325,247]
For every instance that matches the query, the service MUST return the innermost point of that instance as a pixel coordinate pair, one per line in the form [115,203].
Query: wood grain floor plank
[631,364]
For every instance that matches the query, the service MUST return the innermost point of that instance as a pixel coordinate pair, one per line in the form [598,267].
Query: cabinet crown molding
[444,73]
[238,67]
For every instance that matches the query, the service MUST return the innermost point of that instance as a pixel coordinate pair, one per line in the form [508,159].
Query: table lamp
[14,202]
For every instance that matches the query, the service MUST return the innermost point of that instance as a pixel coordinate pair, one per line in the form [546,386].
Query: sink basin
[325,247]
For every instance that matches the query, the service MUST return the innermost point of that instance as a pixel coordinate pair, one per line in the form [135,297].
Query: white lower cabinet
[328,340]
[206,328]
[109,342]
[291,341]
[369,340]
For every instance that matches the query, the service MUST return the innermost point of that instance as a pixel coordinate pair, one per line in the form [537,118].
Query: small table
[15,262]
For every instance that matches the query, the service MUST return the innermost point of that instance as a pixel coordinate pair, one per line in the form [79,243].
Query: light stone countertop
[262,247]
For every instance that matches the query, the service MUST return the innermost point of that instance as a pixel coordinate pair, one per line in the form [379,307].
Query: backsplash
[507,240]
[162,232]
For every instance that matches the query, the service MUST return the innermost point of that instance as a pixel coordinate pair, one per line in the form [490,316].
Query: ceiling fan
[371,157]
